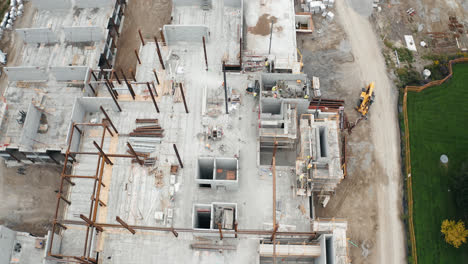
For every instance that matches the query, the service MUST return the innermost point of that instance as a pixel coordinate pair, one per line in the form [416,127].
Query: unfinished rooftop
[165,164]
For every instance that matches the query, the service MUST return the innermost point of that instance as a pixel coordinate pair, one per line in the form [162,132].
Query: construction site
[199,131]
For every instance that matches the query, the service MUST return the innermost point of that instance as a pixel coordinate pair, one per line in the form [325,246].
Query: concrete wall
[83,34]
[175,34]
[190,2]
[7,240]
[70,73]
[26,73]
[78,113]
[30,127]
[94,3]
[37,35]
[233,3]
[53,4]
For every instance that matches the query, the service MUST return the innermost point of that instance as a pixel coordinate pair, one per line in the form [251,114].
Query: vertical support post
[92,89]
[125,225]
[152,98]
[271,36]
[183,97]
[235,228]
[90,223]
[225,88]
[141,37]
[133,75]
[178,156]
[162,35]
[149,88]
[141,162]
[220,231]
[156,76]
[129,86]
[174,232]
[159,53]
[108,119]
[116,76]
[240,53]
[63,198]
[69,181]
[204,49]
[106,158]
[137,56]
[113,98]
[94,75]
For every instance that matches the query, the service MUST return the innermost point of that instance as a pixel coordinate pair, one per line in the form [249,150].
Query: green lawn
[438,124]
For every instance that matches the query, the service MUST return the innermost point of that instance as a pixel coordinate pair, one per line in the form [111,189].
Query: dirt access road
[384,130]
[346,55]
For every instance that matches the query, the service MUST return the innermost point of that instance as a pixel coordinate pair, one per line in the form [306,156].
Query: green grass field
[438,124]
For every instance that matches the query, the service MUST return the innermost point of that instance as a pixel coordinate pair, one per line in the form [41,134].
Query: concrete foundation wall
[26,73]
[30,127]
[272,78]
[94,3]
[175,34]
[37,35]
[92,104]
[53,4]
[70,73]
[83,34]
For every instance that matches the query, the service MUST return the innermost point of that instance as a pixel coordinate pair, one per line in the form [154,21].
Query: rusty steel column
[149,88]
[159,53]
[116,76]
[152,98]
[162,36]
[178,156]
[174,232]
[220,231]
[141,162]
[235,228]
[225,88]
[129,86]
[90,223]
[141,37]
[114,98]
[108,119]
[183,97]
[106,158]
[156,76]
[133,75]
[125,225]
[204,49]
[137,56]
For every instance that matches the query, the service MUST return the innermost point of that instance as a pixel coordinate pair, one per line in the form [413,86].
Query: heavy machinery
[366,99]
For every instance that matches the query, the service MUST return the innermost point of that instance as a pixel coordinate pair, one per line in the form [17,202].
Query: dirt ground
[346,55]
[148,16]
[28,201]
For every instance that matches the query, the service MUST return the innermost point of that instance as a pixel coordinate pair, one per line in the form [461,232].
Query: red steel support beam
[140,161]
[141,37]
[125,225]
[159,53]
[90,223]
[220,231]
[178,156]
[183,97]
[106,158]
[108,119]
[137,56]
[152,98]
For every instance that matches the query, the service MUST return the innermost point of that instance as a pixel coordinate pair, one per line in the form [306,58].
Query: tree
[455,232]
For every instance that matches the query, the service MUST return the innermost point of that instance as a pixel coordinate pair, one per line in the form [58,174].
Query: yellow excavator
[366,99]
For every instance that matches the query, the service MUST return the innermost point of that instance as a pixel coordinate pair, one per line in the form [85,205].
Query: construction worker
[306,96]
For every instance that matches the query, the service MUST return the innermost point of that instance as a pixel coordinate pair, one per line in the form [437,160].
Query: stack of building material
[316,7]
[145,136]
[326,104]
[329,3]
[316,86]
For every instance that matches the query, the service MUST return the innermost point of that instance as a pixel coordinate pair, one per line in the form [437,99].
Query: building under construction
[212,151]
